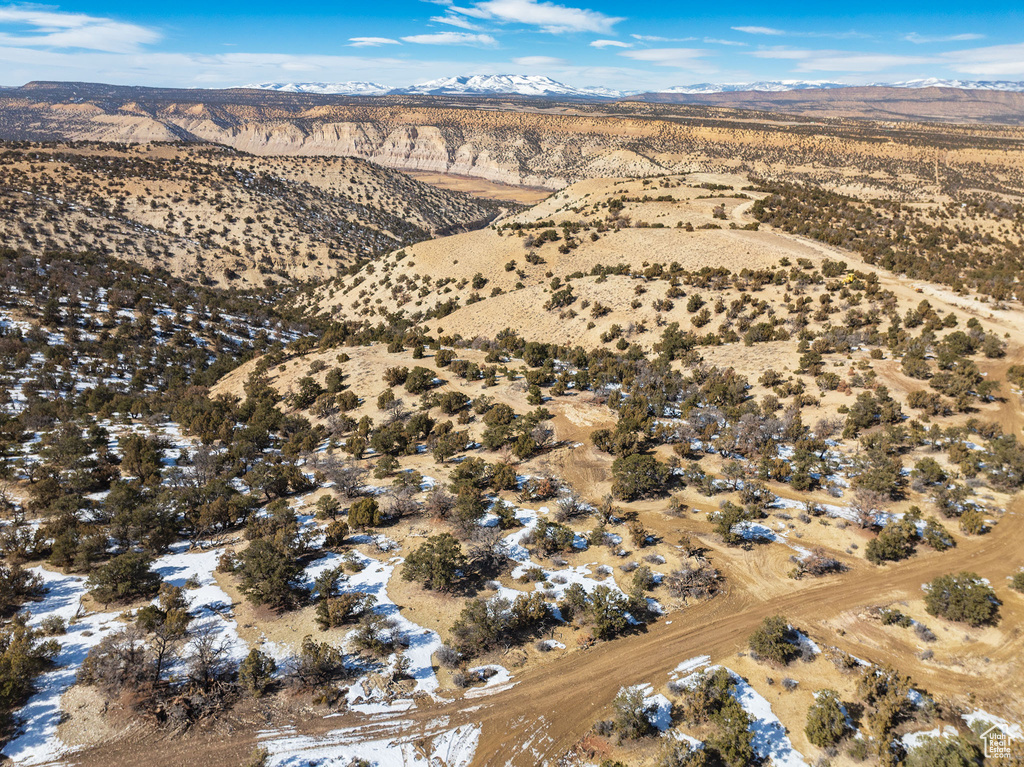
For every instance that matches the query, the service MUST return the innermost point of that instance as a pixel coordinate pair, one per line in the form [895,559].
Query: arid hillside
[710,456]
[527,143]
[218,215]
[607,262]
[950,105]
[827,438]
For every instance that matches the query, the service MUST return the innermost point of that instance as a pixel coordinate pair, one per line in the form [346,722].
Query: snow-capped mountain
[340,89]
[475,85]
[538,85]
[520,85]
[768,86]
[967,85]
[778,86]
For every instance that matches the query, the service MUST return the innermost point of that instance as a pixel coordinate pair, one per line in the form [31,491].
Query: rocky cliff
[524,143]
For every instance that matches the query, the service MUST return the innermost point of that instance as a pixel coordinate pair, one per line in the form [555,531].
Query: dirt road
[552,706]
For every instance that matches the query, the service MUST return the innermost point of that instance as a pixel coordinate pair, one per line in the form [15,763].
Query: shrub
[603,608]
[17,586]
[448,657]
[972,521]
[124,578]
[396,375]
[317,664]
[956,751]
[53,625]
[638,476]
[334,611]
[963,597]
[437,564]
[774,641]
[335,534]
[504,477]
[484,623]
[256,672]
[419,380]
[22,659]
[1017,581]
[364,513]
[710,700]
[681,755]
[826,722]
[632,715]
[699,581]
[269,573]
[258,757]
[895,542]
[936,536]
[451,402]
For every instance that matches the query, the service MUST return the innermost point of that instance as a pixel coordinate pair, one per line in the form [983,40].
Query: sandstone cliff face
[520,145]
[408,147]
[538,150]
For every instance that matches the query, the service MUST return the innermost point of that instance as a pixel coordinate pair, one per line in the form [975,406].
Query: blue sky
[636,45]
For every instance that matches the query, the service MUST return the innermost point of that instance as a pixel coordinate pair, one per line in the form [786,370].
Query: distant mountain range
[476,85]
[340,89]
[779,86]
[535,85]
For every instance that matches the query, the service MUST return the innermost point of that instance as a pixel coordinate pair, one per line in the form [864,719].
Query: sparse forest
[728,460]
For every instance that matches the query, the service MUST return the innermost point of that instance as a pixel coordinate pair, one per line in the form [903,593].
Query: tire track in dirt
[551,707]
[572,693]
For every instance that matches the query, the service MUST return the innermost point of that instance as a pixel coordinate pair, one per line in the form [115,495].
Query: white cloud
[55,29]
[230,69]
[476,13]
[657,39]
[714,41]
[539,61]
[772,31]
[455,21]
[784,53]
[681,58]
[609,44]
[184,69]
[760,30]
[451,38]
[549,17]
[371,42]
[913,37]
[990,61]
[994,61]
[842,61]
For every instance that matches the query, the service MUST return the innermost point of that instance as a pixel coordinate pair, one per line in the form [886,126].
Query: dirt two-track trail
[551,707]
[563,700]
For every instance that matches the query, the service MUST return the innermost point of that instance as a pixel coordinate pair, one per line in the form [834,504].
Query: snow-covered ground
[770,739]
[983,719]
[913,739]
[207,601]
[396,744]
[499,680]
[373,580]
[556,580]
[37,741]
[661,711]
